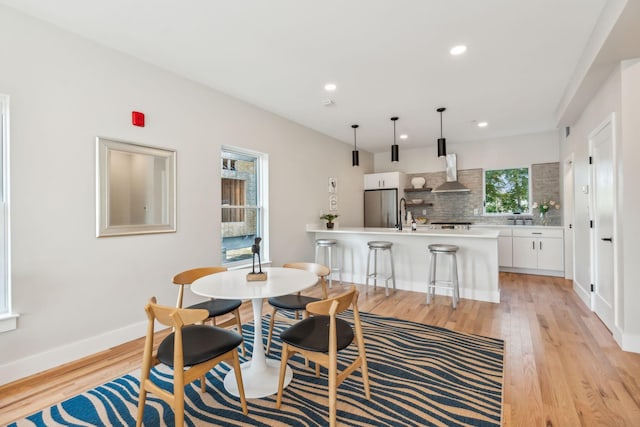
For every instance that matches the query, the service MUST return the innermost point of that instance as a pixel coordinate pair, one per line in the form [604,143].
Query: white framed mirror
[135,188]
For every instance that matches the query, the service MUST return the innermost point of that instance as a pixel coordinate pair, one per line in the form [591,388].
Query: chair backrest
[319,270]
[172,316]
[189,276]
[336,305]
[332,307]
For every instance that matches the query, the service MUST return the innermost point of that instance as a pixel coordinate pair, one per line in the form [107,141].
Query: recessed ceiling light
[404,136]
[483,124]
[330,87]
[458,50]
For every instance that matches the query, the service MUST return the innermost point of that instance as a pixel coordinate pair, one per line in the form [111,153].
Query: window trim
[484,191]
[8,319]
[262,204]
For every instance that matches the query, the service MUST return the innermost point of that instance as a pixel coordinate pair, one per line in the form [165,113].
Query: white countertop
[550,227]
[421,232]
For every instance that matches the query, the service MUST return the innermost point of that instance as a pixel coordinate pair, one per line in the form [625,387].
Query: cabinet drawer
[538,232]
[502,231]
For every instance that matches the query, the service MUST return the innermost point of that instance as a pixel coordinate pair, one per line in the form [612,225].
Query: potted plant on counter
[329,218]
[544,208]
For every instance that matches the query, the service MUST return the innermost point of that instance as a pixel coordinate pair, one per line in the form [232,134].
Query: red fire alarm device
[137,118]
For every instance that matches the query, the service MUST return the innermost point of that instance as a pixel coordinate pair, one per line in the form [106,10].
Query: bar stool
[449,250]
[327,247]
[375,246]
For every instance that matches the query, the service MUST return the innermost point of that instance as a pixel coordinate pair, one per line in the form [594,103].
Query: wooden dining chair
[320,337]
[215,307]
[296,302]
[196,347]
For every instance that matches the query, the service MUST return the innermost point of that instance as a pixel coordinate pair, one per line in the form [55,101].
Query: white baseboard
[68,353]
[628,342]
[583,294]
[533,271]
[488,296]
[478,295]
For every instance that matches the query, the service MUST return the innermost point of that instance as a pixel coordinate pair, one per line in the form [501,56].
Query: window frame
[484,191]
[262,198]
[8,319]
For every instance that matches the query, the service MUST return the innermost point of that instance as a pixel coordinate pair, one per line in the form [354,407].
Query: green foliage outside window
[506,190]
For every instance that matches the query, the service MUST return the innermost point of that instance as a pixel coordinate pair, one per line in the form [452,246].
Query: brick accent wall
[545,185]
[468,206]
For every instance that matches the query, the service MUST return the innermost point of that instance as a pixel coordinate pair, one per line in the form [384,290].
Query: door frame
[609,120]
[569,216]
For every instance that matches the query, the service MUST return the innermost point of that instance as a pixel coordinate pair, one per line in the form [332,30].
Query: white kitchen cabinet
[525,252]
[551,254]
[505,243]
[505,248]
[538,248]
[374,181]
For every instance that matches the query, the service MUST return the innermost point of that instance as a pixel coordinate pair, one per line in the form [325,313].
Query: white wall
[606,101]
[77,294]
[619,95]
[514,151]
[629,205]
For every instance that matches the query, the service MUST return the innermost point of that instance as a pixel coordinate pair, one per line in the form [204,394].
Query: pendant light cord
[355,142]
[394,119]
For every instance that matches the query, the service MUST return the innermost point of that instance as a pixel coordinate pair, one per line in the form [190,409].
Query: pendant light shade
[442,142]
[395,153]
[355,155]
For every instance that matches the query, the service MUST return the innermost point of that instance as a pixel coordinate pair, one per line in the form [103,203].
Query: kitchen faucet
[402,202]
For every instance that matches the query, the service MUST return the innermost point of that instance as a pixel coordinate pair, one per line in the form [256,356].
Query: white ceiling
[388,58]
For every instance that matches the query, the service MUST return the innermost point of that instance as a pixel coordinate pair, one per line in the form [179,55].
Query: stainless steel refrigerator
[381,208]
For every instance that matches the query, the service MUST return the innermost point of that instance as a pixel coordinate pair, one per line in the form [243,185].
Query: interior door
[603,203]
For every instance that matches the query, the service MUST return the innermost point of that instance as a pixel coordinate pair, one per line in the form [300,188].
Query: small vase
[543,218]
[330,225]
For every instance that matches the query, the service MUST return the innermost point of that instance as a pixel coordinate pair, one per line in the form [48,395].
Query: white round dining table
[260,374]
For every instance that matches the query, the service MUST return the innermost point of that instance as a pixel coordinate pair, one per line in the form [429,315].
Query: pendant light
[395,155]
[355,156]
[442,142]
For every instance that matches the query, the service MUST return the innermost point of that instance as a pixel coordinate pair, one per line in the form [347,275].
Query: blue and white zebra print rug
[420,375]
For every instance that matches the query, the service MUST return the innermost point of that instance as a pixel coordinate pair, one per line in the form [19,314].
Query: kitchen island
[477,257]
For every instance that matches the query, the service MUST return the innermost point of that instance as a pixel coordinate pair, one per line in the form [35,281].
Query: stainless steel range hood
[451,184]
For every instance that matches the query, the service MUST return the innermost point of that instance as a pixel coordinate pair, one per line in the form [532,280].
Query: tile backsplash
[468,206]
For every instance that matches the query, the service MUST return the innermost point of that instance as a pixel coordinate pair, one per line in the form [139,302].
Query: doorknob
[607,239]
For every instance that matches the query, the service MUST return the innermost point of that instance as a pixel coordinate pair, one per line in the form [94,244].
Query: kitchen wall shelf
[409,204]
[417,190]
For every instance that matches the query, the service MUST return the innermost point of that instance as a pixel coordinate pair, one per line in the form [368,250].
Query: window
[7,320]
[506,191]
[233,193]
[243,197]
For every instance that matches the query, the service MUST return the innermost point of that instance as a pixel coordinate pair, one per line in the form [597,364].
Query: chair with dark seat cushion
[215,307]
[320,337]
[296,302]
[198,348]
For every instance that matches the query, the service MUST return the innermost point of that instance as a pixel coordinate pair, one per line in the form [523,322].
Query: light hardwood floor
[562,367]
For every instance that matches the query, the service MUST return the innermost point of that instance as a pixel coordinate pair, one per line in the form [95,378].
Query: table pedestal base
[259,382]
